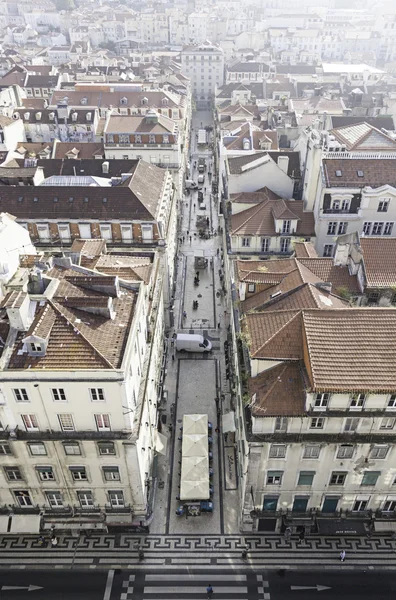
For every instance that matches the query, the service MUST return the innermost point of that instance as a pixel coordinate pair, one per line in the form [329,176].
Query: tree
[64,5]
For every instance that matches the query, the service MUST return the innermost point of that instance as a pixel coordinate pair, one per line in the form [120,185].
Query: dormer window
[286,226]
[151,139]
[74,116]
[34,347]
[165,102]
[144,101]
[110,138]
[84,100]
[124,100]
[165,139]
[89,116]
[138,139]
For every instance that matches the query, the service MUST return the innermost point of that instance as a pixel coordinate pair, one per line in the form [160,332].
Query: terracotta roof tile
[379,257]
[275,335]
[304,250]
[278,391]
[260,219]
[374,172]
[325,270]
[352,349]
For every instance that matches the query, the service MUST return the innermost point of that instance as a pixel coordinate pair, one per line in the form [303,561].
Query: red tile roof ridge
[58,308]
[277,312]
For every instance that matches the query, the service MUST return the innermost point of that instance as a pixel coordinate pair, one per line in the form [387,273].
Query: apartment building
[204,66]
[79,434]
[319,437]
[348,182]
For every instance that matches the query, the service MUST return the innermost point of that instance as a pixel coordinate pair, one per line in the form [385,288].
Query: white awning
[228,421]
[384,526]
[195,468]
[195,444]
[161,443]
[25,524]
[194,490]
[195,424]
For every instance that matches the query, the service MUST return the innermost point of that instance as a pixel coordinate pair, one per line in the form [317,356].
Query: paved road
[53,585]
[190,584]
[347,585]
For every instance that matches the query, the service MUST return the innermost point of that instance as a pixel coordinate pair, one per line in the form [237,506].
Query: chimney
[324,285]
[283,163]
[17,307]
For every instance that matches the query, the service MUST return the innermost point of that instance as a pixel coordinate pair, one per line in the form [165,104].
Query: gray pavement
[193,382]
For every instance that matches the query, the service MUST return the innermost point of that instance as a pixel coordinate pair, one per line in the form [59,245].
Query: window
[281,424]
[110,138]
[270,503]
[286,226]
[72,448]
[331,228]
[138,139]
[305,477]
[5,449]
[342,227]
[389,506]
[85,499]
[79,473]
[106,448]
[311,451]
[370,477]
[251,287]
[116,499]
[246,242]
[388,423]
[23,498]
[111,473]
[345,204]
[13,473]
[367,228]
[37,449]
[383,205]
[30,422]
[379,452]
[372,298]
[345,451]
[35,348]
[357,401]
[102,422]
[265,244]
[377,228]
[317,423]
[45,473]
[123,138]
[58,395]
[151,139]
[321,401]
[328,250]
[97,394]
[388,227]
[391,402]
[274,477]
[54,499]
[351,424]
[300,504]
[284,245]
[335,205]
[359,505]
[21,395]
[66,422]
[337,478]
[277,451]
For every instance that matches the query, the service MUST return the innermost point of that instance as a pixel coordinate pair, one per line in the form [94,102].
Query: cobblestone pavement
[201,552]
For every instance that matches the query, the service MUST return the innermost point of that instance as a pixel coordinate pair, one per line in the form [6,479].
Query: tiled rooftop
[379,257]
[280,391]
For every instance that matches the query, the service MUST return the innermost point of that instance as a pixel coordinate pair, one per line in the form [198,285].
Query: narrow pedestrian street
[193,380]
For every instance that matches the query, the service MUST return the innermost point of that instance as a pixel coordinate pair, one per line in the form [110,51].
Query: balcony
[110,509]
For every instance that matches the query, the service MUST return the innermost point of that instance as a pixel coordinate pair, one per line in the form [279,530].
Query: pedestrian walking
[54,541]
[194,206]
[342,555]
[217,430]
[209,591]
[184,314]
[218,325]
[188,231]
[183,239]
[217,251]
[287,534]
[190,239]
[173,357]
